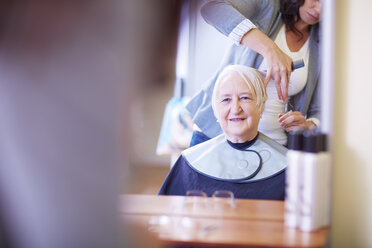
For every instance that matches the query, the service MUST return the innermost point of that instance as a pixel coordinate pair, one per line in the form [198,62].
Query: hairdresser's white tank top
[269,123]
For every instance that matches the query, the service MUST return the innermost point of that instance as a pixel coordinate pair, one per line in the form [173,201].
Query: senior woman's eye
[245,98]
[225,100]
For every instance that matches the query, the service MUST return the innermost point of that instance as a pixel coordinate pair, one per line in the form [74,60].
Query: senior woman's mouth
[236,119]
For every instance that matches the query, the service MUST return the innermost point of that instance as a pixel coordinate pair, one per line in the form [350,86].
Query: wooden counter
[252,223]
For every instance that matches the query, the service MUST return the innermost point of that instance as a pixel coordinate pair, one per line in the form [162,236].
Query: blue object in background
[176,130]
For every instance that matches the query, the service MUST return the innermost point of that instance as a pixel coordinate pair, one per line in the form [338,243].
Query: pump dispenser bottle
[311,205]
[308,181]
[326,172]
[293,176]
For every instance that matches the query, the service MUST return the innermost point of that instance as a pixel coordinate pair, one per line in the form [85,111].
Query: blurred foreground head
[68,70]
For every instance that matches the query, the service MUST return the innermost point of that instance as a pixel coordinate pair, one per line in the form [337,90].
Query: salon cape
[256,171]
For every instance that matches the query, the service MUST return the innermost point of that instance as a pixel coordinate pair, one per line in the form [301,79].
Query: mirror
[202,50]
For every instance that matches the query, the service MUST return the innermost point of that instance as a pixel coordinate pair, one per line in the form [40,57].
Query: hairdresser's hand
[294,120]
[279,68]
[279,64]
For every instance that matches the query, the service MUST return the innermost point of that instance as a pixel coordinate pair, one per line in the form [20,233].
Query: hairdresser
[267,35]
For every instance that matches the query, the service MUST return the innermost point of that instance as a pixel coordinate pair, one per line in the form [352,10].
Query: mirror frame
[327,70]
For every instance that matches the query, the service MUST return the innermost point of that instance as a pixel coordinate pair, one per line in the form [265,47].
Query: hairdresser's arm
[229,20]
[226,16]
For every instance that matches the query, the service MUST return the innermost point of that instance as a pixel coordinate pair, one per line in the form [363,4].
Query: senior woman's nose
[235,105]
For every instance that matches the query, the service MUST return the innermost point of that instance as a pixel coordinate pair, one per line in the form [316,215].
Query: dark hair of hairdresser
[290,10]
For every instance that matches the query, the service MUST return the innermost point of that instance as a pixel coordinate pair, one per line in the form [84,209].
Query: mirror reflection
[214,34]
[221,133]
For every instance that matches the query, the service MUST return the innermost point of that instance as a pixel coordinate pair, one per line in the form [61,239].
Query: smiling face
[310,11]
[236,108]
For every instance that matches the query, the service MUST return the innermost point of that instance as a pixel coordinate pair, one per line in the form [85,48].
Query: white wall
[204,51]
[208,45]
[352,199]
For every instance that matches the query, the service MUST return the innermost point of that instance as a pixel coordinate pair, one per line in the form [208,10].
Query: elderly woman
[241,159]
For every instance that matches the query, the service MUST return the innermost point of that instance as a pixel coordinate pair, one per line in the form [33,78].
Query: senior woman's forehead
[233,76]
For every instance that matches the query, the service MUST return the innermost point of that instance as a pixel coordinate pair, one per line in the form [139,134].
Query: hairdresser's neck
[302,26]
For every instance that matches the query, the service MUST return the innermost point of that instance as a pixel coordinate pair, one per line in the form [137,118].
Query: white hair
[251,77]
